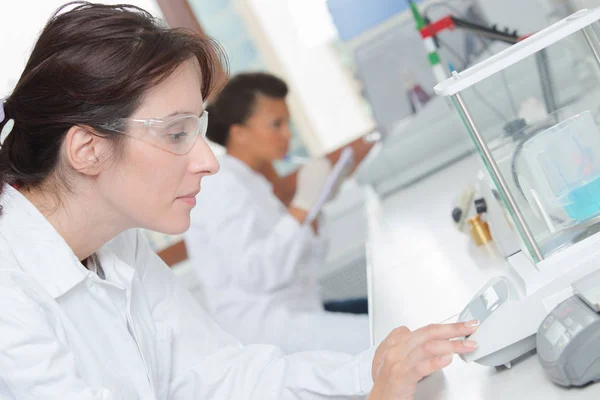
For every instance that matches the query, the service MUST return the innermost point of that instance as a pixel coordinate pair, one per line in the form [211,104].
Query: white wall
[20,24]
[325,106]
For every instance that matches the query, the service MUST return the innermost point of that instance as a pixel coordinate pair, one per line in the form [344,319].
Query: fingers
[429,366]
[463,346]
[406,357]
[446,331]
[425,355]
[440,348]
[432,355]
[433,340]
[397,335]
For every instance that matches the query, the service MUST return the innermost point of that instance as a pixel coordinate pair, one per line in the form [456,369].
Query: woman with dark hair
[254,256]
[99,137]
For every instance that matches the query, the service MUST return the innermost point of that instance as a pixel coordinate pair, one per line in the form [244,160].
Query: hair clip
[8,127]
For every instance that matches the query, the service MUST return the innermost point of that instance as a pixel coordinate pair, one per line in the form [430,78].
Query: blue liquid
[585,201]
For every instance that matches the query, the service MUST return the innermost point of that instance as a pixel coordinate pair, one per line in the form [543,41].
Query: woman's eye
[175,137]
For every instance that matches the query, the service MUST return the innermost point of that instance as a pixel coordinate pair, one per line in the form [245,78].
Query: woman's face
[149,187]
[268,129]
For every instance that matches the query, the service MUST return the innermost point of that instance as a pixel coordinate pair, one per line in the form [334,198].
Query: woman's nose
[202,158]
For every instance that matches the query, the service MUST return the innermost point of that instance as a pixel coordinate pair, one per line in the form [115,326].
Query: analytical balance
[545,169]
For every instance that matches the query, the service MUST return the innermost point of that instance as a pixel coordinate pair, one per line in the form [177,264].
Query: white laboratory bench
[422,270]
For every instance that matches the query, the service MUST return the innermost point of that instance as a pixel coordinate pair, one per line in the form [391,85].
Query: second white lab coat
[257,267]
[65,333]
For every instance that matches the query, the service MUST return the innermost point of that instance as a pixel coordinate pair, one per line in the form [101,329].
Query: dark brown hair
[237,100]
[91,65]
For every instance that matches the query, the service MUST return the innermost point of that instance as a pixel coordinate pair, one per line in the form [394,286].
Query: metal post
[592,39]
[499,180]
[541,60]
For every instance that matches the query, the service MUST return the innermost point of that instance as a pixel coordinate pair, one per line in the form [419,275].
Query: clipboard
[336,177]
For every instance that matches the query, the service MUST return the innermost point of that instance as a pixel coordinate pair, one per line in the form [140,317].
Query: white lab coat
[65,333]
[257,267]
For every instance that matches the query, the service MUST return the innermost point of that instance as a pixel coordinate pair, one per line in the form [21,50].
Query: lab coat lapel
[38,249]
[255,183]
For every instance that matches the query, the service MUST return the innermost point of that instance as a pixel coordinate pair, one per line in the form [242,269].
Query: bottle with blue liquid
[584,202]
[566,159]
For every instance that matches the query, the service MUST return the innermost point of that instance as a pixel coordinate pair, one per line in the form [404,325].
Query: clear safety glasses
[176,134]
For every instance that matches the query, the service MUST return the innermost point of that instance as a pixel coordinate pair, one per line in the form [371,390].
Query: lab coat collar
[38,248]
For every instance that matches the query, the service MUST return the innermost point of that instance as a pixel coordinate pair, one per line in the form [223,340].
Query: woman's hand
[405,357]
[311,179]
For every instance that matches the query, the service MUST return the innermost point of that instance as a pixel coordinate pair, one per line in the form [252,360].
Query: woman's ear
[238,134]
[84,150]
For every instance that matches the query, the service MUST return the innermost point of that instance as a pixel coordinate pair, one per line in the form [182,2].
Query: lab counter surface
[422,270]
